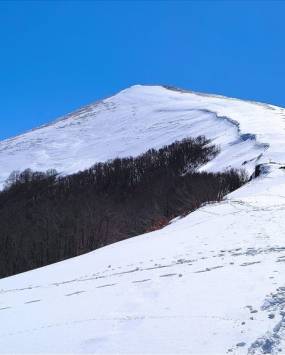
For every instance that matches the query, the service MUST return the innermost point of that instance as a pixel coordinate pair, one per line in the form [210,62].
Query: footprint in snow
[3,308]
[138,281]
[242,343]
[209,269]
[33,301]
[250,263]
[108,285]
[74,293]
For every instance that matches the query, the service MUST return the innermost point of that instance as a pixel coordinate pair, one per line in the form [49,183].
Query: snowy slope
[144,117]
[210,283]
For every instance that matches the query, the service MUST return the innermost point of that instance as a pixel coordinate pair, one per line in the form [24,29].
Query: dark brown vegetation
[45,218]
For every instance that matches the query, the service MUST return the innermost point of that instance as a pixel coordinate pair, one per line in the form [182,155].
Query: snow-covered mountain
[144,117]
[209,283]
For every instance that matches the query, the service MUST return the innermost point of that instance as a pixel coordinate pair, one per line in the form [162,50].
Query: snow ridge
[130,123]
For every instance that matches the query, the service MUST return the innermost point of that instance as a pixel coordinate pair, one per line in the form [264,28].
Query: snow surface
[144,117]
[209,283]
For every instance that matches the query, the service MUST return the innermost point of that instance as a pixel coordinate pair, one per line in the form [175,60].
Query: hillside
[144,117]
[211,282]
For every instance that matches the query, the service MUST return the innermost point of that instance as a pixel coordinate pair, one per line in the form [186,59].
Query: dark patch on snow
[108,285]
[137,281]
[3,308]
[33,301]
[75,293]
[242,343]
[250,263]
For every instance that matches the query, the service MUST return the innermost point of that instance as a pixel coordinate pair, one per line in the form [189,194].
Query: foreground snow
[204,284]
[209,283]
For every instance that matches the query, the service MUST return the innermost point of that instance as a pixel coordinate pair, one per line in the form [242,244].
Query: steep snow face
[209,283]
[144,117]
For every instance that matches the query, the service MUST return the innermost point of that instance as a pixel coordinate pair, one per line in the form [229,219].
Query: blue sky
[59,55]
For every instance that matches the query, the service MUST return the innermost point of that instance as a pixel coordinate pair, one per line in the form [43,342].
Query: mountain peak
[143,117]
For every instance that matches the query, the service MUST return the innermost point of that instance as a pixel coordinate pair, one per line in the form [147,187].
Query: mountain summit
[144,117]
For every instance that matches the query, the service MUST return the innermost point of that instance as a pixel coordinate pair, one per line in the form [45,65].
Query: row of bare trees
[45,218]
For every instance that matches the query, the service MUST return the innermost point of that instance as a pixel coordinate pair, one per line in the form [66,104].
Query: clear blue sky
[57,56]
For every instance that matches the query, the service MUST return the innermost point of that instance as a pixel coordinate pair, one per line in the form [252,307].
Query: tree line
[46,217]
